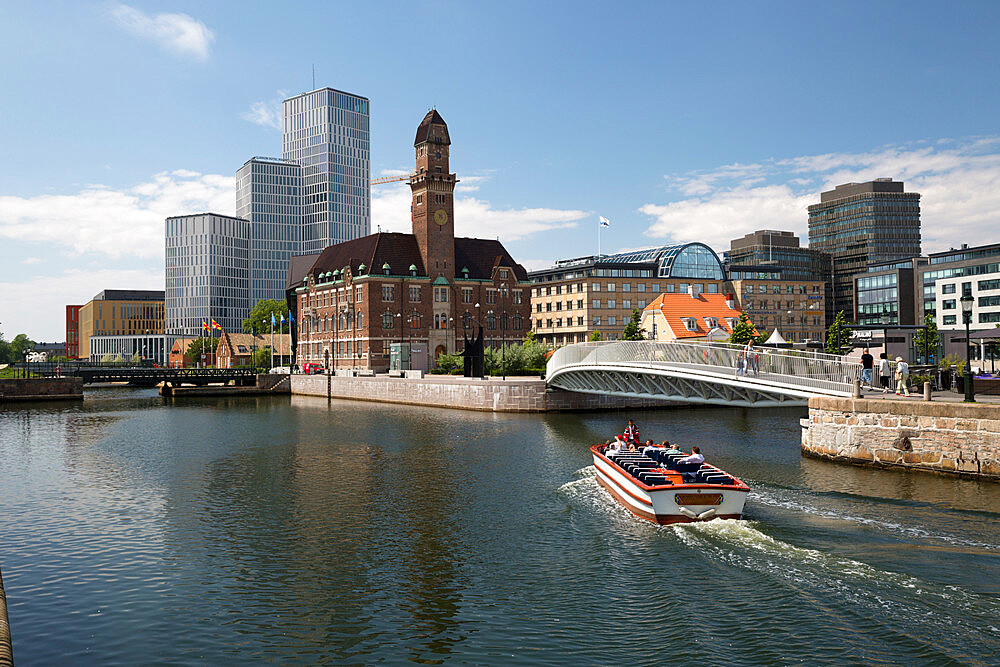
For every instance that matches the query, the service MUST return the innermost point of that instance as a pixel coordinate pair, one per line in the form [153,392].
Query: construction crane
[391,179]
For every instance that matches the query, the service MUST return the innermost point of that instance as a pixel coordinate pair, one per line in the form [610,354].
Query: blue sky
[678,121]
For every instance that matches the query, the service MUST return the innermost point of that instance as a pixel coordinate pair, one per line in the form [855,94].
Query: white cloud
[116,223]
[266,113]
[959,181]
[473,217]
[37,305]
[30,260]
[178,33]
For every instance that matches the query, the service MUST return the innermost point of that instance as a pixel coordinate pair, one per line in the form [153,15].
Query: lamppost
[503,330]
[490,318]
[967,300]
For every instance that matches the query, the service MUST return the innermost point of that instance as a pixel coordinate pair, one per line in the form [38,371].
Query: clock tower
[433,206]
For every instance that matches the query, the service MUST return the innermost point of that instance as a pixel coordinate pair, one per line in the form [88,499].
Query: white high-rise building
[207,273]
[269,195]
[326,132]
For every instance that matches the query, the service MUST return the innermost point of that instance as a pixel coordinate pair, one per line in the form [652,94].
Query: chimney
[691,292]
[731,301]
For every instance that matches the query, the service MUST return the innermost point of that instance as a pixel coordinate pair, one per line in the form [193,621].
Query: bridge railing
[802,369]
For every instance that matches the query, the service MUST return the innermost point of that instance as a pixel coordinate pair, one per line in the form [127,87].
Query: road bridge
[701,372]
[146,376]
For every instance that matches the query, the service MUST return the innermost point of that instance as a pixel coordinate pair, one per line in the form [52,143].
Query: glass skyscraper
[268,194]
[207,273]
[326,132]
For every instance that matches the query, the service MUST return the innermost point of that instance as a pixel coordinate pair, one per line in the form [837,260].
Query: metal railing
[803,370]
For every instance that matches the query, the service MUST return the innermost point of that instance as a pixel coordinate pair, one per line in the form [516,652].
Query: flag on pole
[216,325]
[273,321]
[204,325]
[282,319]
[604,221]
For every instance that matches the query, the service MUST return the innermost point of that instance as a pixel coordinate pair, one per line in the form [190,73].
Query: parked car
[311,368]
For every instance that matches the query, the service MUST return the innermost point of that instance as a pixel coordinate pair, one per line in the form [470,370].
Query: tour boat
[658,488]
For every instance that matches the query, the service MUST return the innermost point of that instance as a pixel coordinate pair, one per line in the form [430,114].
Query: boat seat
[685,467]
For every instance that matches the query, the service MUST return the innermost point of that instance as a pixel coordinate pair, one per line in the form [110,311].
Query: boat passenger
[671,449]
[651,448]
[615,447]
[631,435]
[695,457]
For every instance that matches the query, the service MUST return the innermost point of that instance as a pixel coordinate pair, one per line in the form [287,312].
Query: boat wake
[764,495]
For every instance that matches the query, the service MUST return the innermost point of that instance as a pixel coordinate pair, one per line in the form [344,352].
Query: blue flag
[282,318]
[272,321]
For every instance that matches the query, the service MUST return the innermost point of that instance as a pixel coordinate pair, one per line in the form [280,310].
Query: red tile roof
[679,305]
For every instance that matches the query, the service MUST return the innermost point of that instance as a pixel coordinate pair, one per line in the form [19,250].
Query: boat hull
[678,503]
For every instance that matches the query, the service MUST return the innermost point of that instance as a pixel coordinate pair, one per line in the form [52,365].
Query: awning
[775,338]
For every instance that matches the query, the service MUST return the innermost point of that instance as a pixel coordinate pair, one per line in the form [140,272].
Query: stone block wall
[40,389]
[515,395]
[955,438]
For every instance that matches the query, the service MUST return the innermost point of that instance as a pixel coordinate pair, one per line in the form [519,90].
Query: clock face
[441,216]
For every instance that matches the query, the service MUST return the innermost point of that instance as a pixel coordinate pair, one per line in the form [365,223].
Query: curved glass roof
[684,260]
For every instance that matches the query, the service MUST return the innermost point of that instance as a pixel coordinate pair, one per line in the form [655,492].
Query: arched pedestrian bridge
[696,372]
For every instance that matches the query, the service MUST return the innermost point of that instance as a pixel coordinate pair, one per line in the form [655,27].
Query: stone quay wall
[954,438]
[40,389]
[513,395]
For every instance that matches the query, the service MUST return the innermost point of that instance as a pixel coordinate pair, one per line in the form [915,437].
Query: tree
[259,321]
[261,359]
[744,332]
[197,347]
[838,336]
[19,346]
[929,335]
[595,336]
[632,330]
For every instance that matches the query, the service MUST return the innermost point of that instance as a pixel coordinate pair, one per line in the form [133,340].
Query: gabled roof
[282,342]
[432,118]
[677,306]
[400,252]
[298,268]
[480,256]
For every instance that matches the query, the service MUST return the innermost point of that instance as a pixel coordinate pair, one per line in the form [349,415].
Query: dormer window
[731,321]
[711,322]
[413,270]
[385,268]
[690,323]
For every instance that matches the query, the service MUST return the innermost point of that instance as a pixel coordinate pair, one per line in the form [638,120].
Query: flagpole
[598,238]
[272,340]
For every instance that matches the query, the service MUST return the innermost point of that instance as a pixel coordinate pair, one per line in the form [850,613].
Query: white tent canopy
[775,338]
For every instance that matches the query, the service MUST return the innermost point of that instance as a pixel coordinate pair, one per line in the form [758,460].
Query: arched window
[350,319]
[467,321]
[415,321]
[491,321]
[359,322]
[518,321]
[505,318]
[387,320]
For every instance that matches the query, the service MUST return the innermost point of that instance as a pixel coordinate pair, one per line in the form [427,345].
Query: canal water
[259,530]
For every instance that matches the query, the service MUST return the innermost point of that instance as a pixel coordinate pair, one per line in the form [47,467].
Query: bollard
[927,390]
[857,389]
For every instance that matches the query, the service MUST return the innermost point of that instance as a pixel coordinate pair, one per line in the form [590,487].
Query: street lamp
[490,317]
[967,300]
[503,330]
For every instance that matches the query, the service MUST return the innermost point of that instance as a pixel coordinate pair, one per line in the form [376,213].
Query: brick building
[421,291]
[73,331]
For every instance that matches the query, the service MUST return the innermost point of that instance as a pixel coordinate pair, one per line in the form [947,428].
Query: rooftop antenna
[314,76]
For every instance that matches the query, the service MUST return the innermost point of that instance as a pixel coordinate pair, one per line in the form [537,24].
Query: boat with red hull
[659,488]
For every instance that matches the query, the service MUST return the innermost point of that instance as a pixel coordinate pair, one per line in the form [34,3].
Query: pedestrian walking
[884,372]
[867,367]
[902,377]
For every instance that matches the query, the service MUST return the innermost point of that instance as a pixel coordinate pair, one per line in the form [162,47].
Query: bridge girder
[672,385]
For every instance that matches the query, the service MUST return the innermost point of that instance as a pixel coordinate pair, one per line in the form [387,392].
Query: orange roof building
[690,316]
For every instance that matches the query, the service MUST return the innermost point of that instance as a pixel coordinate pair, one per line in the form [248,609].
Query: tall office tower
[326,131]
[207,272]
[268,194]
[860,224]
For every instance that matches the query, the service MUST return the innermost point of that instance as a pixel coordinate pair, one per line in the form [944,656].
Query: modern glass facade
[268,194]
[326,131]
[860,224]
[686,260]
[207,273]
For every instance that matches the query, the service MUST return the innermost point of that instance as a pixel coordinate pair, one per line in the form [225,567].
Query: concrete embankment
[954,438]
[521,394]
[6,648]
[41,389]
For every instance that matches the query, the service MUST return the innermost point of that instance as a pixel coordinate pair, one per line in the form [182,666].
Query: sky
[677,121]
